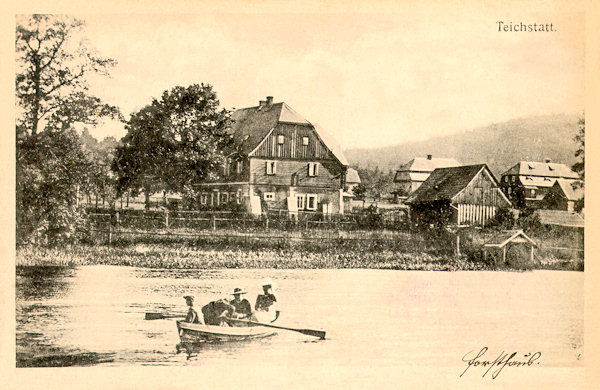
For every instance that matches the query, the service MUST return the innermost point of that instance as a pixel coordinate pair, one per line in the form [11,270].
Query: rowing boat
[199,333]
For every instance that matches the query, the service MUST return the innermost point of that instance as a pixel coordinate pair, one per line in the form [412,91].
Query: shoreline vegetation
[376,250]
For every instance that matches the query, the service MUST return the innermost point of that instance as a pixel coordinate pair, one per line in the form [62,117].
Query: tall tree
[579,166]
[53,64]
[175,143]
[53,61]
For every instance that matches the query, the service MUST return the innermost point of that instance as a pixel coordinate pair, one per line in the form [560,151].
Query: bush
[504,219]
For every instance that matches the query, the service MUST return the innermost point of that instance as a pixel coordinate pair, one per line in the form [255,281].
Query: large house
[528,182]
[465,195]
[287,163]
[414,173]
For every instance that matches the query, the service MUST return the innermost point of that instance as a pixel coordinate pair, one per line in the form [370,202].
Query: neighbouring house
[464,195]
[414,173]
[528,182]
[561,196]
[287,163]
[352,180]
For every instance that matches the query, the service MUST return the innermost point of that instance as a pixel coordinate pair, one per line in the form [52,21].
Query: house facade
[286,164]
[528,182]
[411,175]
[464,195]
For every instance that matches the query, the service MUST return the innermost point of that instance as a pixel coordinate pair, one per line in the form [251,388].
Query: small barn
[562,196]
[506,242]
[465,195]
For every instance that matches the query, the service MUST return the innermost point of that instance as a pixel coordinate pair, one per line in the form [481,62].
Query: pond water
[391,318]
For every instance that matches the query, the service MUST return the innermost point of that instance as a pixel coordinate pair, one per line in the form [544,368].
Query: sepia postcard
[310,195]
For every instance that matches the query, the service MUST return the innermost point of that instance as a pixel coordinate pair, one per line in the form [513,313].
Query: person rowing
[243,310]
[265,303]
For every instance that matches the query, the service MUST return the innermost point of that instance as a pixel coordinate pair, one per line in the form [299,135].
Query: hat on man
[188,298]
[238,290]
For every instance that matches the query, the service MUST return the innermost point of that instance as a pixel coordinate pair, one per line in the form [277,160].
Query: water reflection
[42,282]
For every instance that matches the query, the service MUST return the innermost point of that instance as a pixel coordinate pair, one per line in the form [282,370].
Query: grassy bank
[404,252]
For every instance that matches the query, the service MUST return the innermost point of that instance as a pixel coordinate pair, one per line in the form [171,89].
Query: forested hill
[500,145]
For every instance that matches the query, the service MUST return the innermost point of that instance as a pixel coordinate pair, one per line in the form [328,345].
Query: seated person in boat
[265,303]
[242,307]
[215,312]
[191,316]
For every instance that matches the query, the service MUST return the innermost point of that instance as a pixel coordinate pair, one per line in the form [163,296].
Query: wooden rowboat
[199,333]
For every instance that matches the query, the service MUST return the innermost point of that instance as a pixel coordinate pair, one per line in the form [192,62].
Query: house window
[238,197]
[300,202]
[313,169]
[204,199]
[280,139]
[224,197]
[311,202]
[271,167]
[305,141]
[269,196]
[509,190]
[239,167]
[226,168]
[532,193]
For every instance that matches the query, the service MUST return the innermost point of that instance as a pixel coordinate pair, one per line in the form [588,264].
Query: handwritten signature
[496,366]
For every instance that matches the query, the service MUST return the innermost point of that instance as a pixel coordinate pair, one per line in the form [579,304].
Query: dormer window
[313,169]
[271,167]
[280,139]
[305,141]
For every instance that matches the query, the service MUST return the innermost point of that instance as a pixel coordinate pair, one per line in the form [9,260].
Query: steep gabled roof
[331,144]
[251,125]
[534,168]
[423,164]
[568,190]
[445,183]
[352,176]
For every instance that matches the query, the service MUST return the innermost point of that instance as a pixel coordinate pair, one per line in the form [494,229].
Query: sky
[370,79]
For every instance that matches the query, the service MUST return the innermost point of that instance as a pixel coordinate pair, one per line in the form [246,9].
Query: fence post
[214,222]
[166,218]
[110,230]
[266,221]
[457,242]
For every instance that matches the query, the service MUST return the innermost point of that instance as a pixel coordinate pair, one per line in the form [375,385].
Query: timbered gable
[292,141]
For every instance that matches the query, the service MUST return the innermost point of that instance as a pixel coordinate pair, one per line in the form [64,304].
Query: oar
[310,332]
[160,316]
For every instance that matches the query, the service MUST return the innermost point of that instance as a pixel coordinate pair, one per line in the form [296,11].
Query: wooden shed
[465,195]
[501,242]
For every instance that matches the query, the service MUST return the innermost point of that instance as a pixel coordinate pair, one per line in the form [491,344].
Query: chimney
[269,100]
[429,156]
[262,103]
